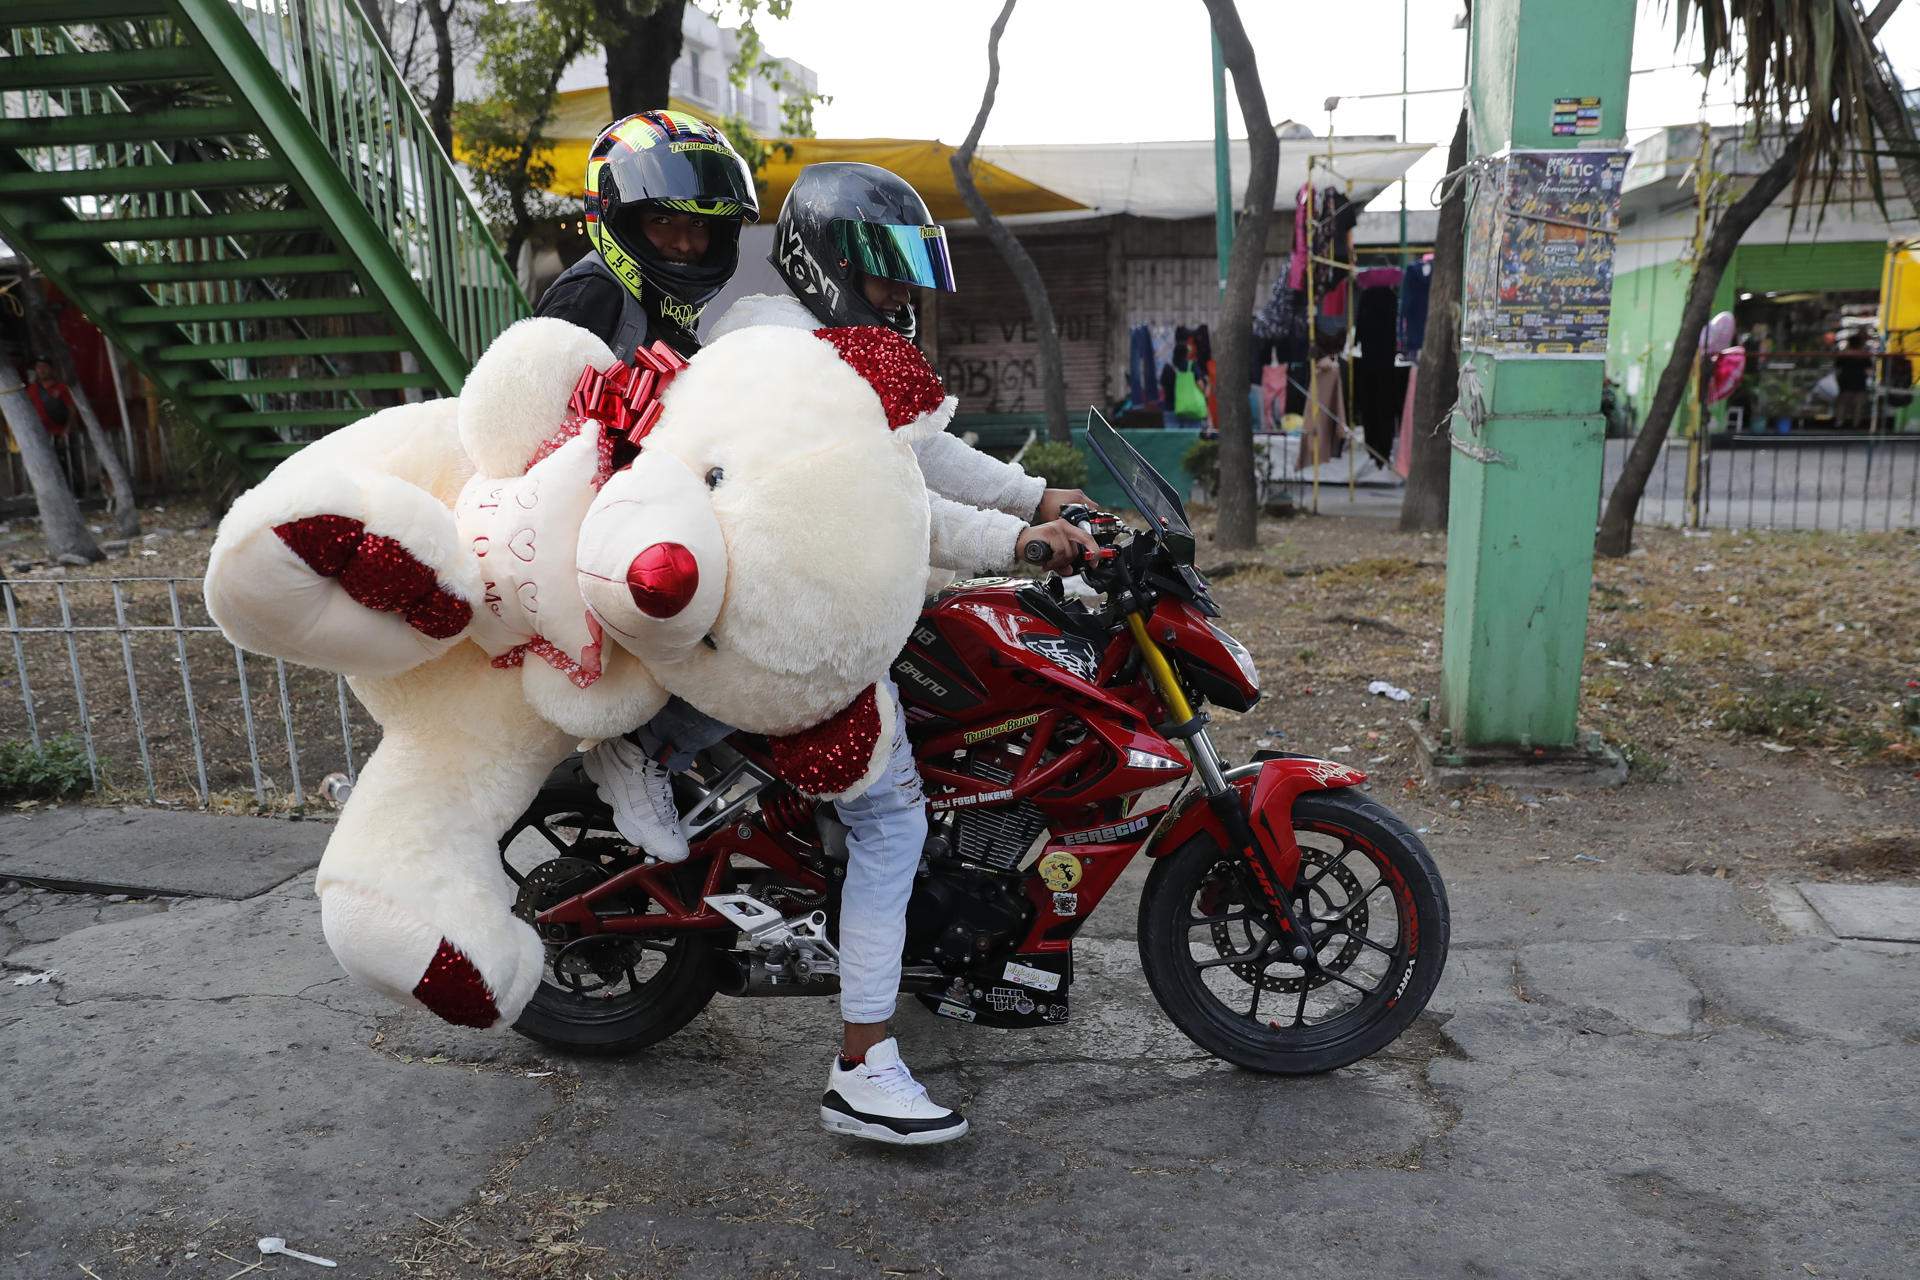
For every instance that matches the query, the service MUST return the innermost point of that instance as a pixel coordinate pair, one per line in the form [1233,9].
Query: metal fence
[136,673]
[1853,483]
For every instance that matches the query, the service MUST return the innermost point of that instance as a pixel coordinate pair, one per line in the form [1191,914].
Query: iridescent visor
[909,254]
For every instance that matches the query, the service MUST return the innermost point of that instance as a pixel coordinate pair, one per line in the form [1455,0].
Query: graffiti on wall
[993,366]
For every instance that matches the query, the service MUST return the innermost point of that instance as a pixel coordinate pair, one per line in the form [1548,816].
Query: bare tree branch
[1052,375]
[1237,524]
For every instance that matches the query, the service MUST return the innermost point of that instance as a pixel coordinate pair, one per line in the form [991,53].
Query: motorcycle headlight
[1241,658]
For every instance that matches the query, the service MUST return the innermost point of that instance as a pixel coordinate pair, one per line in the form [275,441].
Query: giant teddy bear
[544,561]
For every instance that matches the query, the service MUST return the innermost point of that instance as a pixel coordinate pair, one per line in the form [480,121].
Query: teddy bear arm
[349,570]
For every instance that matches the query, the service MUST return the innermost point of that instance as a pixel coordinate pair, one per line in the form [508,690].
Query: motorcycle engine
[961,916]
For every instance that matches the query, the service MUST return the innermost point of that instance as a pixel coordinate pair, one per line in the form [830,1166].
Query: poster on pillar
[1540,239]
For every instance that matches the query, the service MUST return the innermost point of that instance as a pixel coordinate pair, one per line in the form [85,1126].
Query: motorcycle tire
[671,997]
[1365,830]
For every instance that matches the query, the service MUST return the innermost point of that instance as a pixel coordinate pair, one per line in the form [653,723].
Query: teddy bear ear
[916,402]
[517,393]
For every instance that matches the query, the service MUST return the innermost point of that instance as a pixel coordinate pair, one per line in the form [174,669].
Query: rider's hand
[1053,499]
[1063,540]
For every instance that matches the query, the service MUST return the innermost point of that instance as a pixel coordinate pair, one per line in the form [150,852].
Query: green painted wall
[1647,302]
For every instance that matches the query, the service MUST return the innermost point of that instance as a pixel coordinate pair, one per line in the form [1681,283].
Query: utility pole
[1403,131]
[1548,88]
[1222,168]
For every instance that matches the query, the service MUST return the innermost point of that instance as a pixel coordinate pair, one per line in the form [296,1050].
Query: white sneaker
[640,793]
[880,1100]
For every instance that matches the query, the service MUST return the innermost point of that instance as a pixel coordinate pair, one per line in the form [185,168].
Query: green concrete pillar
[1546,76]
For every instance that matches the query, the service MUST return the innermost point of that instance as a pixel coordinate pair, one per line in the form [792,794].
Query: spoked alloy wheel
[600,993]
[1378,913]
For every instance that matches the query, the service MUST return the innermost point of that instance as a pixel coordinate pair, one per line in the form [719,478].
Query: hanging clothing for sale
[1333,221]
[1414,287]
[1282,319]
[1377,380]
[1326,416]
[1142,387]
[1302,237]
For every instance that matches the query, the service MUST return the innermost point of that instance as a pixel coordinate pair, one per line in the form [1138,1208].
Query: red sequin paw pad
[833,755]
[377,572]
[453,989]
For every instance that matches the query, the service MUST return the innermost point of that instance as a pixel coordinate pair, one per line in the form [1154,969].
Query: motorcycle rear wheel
[593,998]
[1379,918]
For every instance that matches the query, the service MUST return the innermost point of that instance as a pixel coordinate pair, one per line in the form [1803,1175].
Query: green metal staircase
[244,196]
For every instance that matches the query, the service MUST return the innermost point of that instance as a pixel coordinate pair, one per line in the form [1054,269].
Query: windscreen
[1151,495]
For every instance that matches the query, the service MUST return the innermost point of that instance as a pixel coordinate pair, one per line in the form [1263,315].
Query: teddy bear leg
[413,900]
[352,571]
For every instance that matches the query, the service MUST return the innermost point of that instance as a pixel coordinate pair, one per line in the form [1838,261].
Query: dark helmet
[667,160]
[843,218]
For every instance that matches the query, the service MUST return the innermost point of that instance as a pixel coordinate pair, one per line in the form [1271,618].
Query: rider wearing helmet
[853,243]
[666,194]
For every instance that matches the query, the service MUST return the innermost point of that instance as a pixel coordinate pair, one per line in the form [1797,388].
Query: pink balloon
[1729,367]
[1718,335]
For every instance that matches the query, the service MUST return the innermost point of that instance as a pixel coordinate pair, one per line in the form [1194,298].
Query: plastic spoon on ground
[274,1244]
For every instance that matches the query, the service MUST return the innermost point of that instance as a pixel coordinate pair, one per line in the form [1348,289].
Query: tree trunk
[640,56]
[1053,382]
[1883,96]
[1437,383]
[122,504]
[440,110]
[1616,525]
[1237,521]
[61,524]
[522,219]
[377,20]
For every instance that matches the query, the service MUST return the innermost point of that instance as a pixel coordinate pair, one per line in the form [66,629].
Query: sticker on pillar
[1576,117]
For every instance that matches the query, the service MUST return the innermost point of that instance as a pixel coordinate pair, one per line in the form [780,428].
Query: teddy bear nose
[663,578]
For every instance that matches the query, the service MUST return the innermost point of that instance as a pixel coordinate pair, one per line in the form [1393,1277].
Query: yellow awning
[580,115]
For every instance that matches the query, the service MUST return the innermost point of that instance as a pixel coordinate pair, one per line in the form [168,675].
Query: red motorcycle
[1290,922]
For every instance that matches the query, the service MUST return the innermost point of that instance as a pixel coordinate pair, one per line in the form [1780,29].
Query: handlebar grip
[1036,551]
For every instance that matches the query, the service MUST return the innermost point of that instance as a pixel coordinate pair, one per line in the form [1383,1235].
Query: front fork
[1223,797]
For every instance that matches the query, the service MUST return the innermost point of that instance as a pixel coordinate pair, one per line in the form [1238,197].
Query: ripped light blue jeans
[887,829]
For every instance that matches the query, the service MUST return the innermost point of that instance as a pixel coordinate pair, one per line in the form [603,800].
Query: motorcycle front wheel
[1378,914]
[601,994]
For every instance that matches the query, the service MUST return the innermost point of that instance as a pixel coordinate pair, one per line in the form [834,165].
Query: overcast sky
[1120,70]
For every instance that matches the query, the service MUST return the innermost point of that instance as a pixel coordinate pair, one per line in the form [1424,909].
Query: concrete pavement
[1622,1075]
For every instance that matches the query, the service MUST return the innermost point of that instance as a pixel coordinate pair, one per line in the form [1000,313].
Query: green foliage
[1202,460]
[55,770]
[525,47]
[1062,465]
[1778,709]
[1644,764]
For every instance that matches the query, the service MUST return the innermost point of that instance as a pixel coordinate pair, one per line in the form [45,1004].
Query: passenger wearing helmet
[665,195]
[853,243]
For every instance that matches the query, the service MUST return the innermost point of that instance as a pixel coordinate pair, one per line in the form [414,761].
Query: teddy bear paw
[470,965]
[376,572]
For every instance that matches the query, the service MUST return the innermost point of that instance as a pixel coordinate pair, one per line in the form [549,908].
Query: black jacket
[589,295]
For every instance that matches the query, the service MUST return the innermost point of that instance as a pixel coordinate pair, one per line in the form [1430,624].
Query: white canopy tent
[1176,180]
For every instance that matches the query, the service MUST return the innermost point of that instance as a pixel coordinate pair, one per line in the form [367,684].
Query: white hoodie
[979,503]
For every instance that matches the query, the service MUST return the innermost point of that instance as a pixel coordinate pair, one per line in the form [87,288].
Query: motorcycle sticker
[1108,834]
[1005,726]
[1058,871]
[1057,1012]
[1066,904]
[1005,999]
[981,797]
[1069,652]
[948,1009]
[1028,976]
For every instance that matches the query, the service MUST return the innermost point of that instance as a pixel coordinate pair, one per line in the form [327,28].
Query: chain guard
[570,955]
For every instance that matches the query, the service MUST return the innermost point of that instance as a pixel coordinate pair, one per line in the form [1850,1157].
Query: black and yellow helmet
[667,160]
